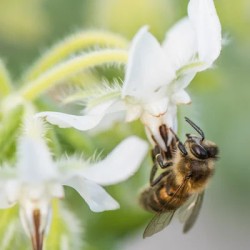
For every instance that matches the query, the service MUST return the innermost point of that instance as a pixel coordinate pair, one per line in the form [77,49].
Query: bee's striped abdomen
[163,196]
[149,201]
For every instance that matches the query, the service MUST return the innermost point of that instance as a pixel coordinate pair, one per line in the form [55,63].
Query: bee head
[199,147]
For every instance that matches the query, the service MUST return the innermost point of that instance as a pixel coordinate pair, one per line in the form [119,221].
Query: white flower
[157,75]
[36,178]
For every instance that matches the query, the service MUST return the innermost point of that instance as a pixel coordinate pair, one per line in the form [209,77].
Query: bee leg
[158,179]
[164,132]
[152,174]
[158,156]
[154,169]
[158,160]
[180,145]
[163,164]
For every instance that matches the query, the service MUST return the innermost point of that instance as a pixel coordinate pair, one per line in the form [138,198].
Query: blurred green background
[221,98]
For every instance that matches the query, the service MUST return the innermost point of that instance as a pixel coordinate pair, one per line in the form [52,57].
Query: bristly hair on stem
[72,44]
[71,67]
[91,96]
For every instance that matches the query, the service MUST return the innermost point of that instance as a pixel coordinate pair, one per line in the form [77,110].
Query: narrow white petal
[170,118]
[110,106]
[120,164]
[115,113]
[84,122]
[72,121]
[108,121]
[35,211]
[203,16]
[35,217]
[34,160]
[95,196]
[147,69]
[153,123]
[180,44]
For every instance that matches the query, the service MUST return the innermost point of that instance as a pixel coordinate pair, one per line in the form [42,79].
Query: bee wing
[186,209]
[161,220]
[158,223]
[189,212]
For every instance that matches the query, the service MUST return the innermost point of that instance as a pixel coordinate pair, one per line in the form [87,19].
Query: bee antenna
[180,144]
[194,126]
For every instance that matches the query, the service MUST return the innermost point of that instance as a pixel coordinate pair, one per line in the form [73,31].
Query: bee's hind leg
[158,179]
[158,161]
[159,158]
[152,174]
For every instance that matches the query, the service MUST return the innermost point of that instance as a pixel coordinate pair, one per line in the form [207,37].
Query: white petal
[35,217]
[35,210]
[170,118]
[72,121]
[4,202]
[184,79]
[34,160]
[158,107]
[181,97]
[84,122]
[152,124]
[11,189]
[9,186]
[147,68]
[202,14]
[6,199]
[133,112]
[95,196]
[120,164]
[111,106]
[180,44]
[108,121]
[55,189]
[115,113]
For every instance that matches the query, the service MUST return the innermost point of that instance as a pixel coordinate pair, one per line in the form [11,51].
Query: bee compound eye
[199,151]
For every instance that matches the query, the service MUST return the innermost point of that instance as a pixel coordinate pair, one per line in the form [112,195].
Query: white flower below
[157,75]
[37,178]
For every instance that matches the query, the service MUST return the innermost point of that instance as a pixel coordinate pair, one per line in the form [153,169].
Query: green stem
[5,82]
[71,45]
[70,67]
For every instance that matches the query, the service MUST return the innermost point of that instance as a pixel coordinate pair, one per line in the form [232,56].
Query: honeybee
[180,187]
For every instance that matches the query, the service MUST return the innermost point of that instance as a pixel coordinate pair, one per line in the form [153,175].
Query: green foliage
[12,235]
[5,81]
[9,130]
[64,230]
[127,16]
